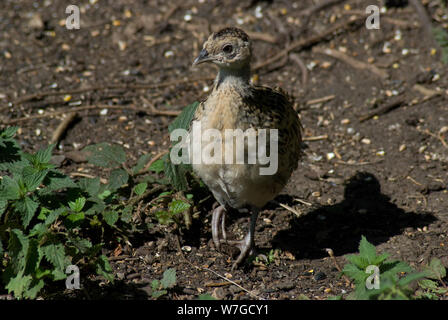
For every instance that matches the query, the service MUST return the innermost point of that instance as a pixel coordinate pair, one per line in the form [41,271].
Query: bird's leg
[246,245]
[218,216]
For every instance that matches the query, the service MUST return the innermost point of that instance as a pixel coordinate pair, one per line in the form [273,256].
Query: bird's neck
[233,77]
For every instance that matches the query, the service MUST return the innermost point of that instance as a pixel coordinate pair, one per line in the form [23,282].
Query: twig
[60,130]
[221,284]
[296,58]
[303,202]
[93,107]
[85,175]
[320,100]
[43,94]
[352,62]
[308,42]
[316,138]
[155,189]
[383,110]
[331,254]
[149,164]
[359,163]
[212,271]
[320,6]
[297,214]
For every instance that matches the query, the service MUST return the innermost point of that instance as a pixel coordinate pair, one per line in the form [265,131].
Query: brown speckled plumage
[236,104]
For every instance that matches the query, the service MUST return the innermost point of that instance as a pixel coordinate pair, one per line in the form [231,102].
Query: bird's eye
[227,48]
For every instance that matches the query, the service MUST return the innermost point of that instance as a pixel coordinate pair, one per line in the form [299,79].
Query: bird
[235,103]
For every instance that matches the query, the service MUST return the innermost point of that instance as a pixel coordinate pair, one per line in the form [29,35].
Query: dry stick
[92,107]
[296,58]
[60,130]
[320,6]
[39,95]
[352,62]
[300,44]
[385,109]
[149,164]
[331,254]
[214,272]
[316,138]
[320,100]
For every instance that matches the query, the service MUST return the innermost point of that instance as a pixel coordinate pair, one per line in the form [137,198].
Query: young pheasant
[235,103]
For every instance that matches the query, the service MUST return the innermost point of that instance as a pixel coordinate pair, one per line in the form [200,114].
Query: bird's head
[227,48]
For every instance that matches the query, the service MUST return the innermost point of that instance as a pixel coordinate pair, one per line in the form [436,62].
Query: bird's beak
[203,57]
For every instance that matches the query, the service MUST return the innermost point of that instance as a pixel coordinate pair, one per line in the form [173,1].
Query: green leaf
[8,133]
[10,189]
[140,188]
[206,296]
[157,166]
[78,204]
[33,177]
[105,155]
[141,162]
[44,155]
[19,284]
[76,217]
[17,249]
[126,214]
[367,250]
[26,208]
[3,205]
[169,278]
[435,270]
[176,174]
[178,206]
[91,186]
[55,254]
[117,178]
[104,269]
[184,119]
[111,217]
[164,217]
[54,180]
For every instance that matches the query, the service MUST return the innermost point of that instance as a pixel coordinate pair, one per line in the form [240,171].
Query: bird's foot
[218,220]
[246,247]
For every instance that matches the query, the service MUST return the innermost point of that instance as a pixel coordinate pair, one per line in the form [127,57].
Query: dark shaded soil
[385,178]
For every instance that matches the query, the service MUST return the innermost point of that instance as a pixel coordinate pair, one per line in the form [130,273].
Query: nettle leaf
[8,133]
[32,177]
[359,276]
[105,155]
[117,179]
[3,205]
[54,180]
[44,155]
[164,217]
[140,188]
[176,173]
[104,269]
[91,186]
[78,204]
[19,284]
[184,119]
[26,207]
[55,254]
[178,206]
[360,262]
[435,270]
[158,166]
[17,248]
[111,217]
[9,189]
[367,250]
[141,162]
[169,278]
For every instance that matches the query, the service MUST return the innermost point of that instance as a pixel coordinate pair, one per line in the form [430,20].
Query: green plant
[49,221]
[394,276]
[433,285]
[159,287]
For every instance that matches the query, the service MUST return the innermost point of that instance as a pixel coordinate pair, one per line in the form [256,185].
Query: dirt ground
[385,178]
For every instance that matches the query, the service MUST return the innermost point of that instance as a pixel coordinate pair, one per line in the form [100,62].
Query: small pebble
[402,148]
[330,155]
[345,121]
[103,112]
[366,141]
